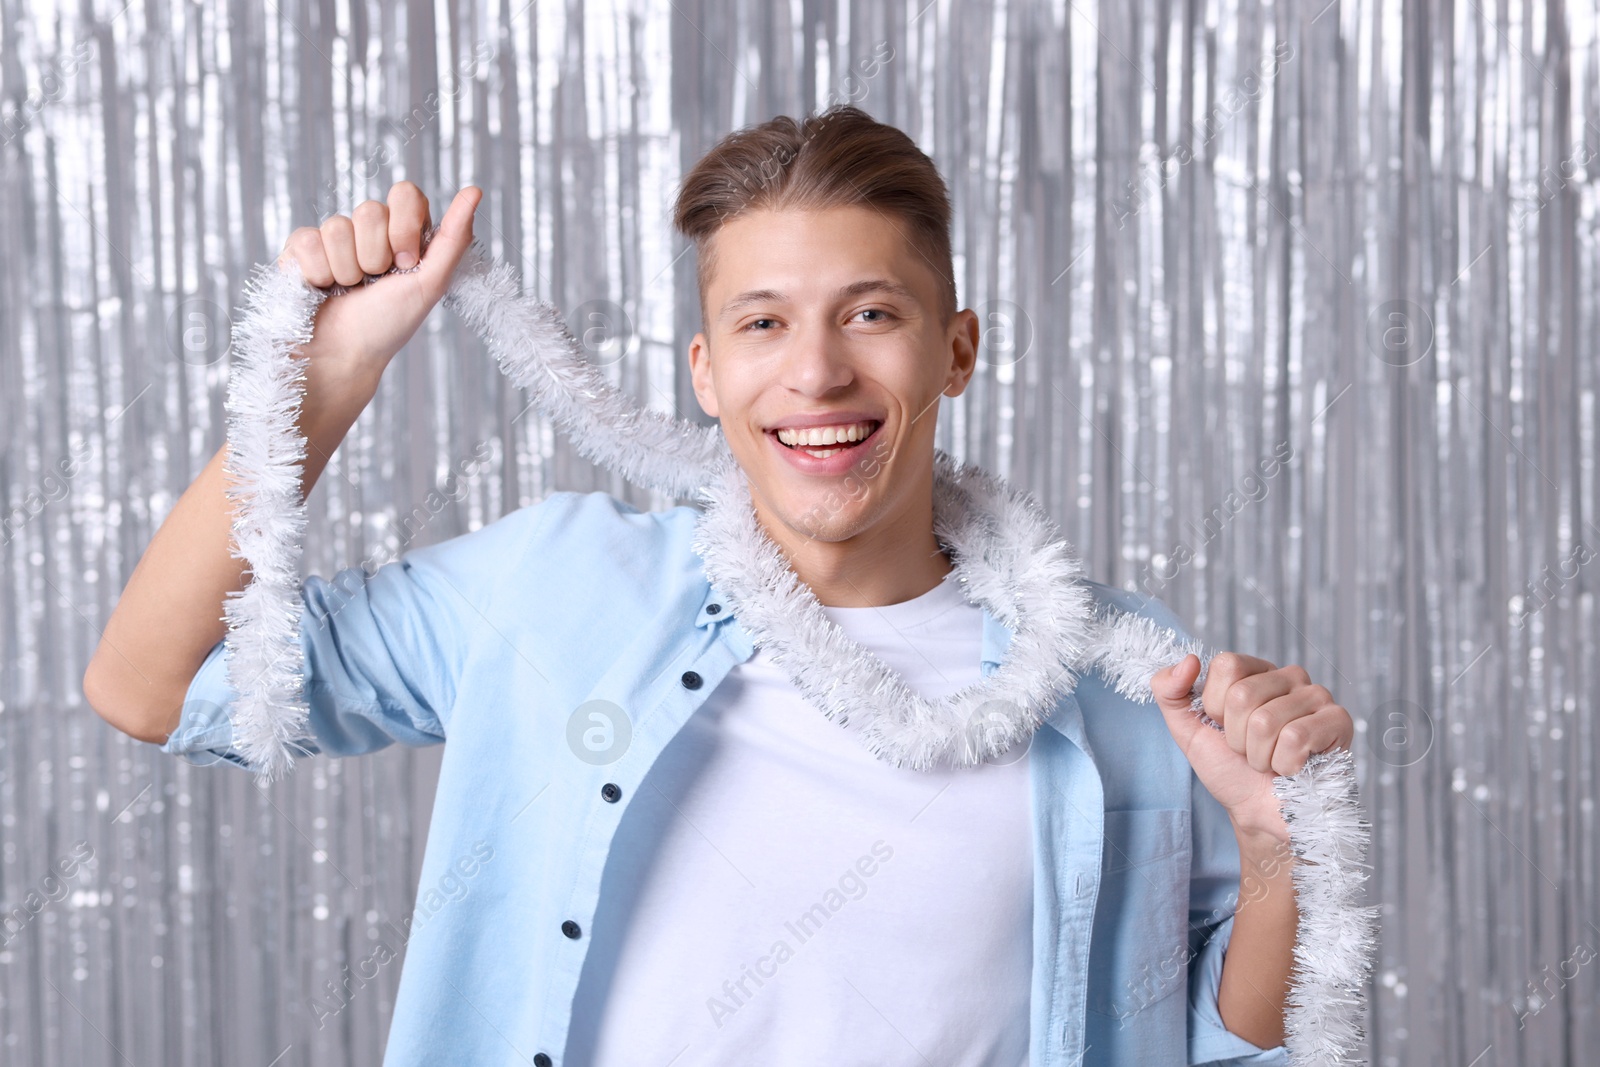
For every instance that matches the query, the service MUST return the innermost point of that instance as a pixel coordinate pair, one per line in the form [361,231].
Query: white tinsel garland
[1007,557]
[264,463]
[1006,552]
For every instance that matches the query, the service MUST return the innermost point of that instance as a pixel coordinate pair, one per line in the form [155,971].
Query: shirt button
[1083,884]
[610,793]
[571,929]
[712,609]
[691,680]
[541,1060]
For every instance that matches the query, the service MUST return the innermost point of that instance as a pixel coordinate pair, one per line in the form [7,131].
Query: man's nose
[817,362]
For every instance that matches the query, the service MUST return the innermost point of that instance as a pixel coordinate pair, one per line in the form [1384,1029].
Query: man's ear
[700,374]
[962,337]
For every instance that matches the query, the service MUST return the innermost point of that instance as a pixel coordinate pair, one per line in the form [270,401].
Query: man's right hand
[361,330]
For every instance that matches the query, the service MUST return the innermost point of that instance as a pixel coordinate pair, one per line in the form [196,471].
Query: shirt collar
[712,607]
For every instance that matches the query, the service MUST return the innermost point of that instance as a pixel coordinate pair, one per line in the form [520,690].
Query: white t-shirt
[795,900]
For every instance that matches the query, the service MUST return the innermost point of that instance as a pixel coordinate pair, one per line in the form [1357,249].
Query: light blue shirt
[503,639]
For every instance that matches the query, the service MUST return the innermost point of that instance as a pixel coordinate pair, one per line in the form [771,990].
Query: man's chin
[820,511]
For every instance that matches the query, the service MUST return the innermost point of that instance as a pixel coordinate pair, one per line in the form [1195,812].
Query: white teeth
[825,435]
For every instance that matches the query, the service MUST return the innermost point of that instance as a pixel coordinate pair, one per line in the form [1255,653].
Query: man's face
[828,321]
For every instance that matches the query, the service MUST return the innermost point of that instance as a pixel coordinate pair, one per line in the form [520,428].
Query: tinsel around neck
[1006,556]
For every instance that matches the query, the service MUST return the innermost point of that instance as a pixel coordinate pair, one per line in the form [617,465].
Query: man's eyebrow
[748,297]
[861,288]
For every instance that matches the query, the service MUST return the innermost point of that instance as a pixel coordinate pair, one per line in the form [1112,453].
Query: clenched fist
[361,330]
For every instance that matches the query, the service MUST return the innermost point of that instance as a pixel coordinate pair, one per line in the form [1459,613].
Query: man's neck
[898,559]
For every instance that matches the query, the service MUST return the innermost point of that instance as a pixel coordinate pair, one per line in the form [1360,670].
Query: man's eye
[883,315]
[757,323]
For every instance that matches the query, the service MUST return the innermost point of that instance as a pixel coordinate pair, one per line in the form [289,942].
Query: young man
[668,855]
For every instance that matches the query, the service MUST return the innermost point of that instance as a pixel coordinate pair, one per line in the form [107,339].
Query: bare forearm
[1260,956]
[170,613]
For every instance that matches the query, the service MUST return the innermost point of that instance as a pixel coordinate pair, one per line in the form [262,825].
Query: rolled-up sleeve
[1210,1042]
[382,651]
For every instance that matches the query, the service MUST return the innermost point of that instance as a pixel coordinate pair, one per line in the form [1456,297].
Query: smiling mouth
[822,451]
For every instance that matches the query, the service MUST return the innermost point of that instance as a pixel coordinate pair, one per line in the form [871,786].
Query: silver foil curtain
[1290,317]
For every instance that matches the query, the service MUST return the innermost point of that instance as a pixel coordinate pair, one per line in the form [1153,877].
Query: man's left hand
[1272,719]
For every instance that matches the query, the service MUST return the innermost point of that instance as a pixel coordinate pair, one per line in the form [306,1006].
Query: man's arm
[1272,719]
[170,614]
[1255,969]
[1222,884]
[1244,919]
